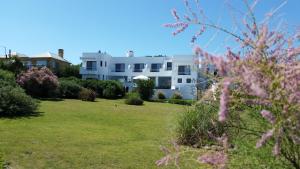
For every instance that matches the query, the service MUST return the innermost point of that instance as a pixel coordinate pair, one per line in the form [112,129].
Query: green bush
[161,95]
[13,64]
[112,89]
[87,95]
[194,125]
[7,78]
[176,95]
[69,71]
[14,102]
[145,88]
[69,89]
[95,85]
[181,102]
[133,98]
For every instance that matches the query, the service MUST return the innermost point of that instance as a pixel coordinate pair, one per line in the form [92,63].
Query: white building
[170,73]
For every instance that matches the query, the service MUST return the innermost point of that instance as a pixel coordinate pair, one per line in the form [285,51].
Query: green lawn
[76,134]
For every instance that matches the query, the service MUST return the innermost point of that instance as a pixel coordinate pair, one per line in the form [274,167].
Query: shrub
[38,82]
[95,85]
[13,64]
[180,101]
[69,71]
[133,98]
[145,88]
[112,89]
[195,126]
[87,95]
[176,95]
[161,95]
[69,89]
[14,102]
[7,78]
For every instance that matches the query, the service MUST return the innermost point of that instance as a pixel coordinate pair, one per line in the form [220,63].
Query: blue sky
[115,26]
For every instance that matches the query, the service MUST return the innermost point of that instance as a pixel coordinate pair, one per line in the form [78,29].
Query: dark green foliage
[133,98]
[7,78]
[14,102]
[161,95]
[69,89]
[194,125]
[112,89]
[13,64]
[87,95]
[145,88]
[95,85]
[176,95]
[69,71]
[180,101]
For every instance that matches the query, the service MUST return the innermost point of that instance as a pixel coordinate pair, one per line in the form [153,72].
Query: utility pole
[4,47]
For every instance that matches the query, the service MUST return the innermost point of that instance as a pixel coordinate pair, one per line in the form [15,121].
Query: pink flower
[224,101]
[175,15]
[268,116]
[215,159]
[264,138]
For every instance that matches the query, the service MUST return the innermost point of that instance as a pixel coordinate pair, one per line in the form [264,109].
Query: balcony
[154,70]
[89,70]
[137,70]
[184,73]
[118,70]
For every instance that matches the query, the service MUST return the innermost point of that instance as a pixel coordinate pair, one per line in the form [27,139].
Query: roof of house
[50,55]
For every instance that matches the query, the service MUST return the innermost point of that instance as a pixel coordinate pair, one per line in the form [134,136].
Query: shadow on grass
[20,116]
[51,99]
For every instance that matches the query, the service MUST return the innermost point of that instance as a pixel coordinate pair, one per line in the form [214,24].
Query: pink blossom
[216,159]
[264,138]
[175,15]
[276,148]
[268,116]
[224,98]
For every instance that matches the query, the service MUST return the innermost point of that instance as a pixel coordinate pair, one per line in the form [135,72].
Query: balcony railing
[137,70]
[154,70]
[119,70]
[184,73]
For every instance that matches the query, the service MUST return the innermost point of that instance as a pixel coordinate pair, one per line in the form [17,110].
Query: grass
[75,134]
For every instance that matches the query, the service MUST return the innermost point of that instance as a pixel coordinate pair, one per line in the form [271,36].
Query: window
[103,77]
[91,65]
[101,63]
[179,80]
[188,80]
[155,67]
[184,70]
[105,64]
[169,65]
[164,82]
[120,67]
[138,67]
[41,63]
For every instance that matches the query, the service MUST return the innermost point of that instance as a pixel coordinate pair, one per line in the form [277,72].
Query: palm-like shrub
[133,98]
[87,95]
[38,82]
[196,126]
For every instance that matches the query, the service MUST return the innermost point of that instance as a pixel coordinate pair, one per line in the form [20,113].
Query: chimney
[61,53]
[130,53]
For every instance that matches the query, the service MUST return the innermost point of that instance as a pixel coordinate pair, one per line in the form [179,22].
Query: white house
[170,73]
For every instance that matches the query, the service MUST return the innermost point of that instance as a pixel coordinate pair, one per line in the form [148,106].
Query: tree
[263,72]
[145,88]
[38,82]
[13,64]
